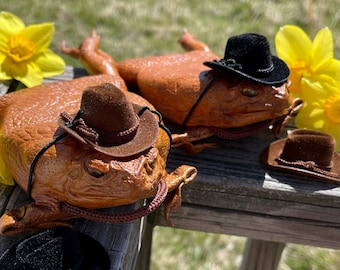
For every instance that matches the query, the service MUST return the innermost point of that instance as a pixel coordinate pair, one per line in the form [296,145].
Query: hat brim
[146,136]
[79,251]
[273,151]
[279,74]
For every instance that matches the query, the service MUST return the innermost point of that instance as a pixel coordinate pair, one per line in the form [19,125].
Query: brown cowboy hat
[248,55]
[306,152]
[111,124]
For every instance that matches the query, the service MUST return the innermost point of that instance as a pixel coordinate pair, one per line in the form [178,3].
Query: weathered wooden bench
[235,194]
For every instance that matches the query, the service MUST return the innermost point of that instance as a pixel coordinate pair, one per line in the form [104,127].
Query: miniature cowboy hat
[111,124]
[56,249]
[306,152]
[248,55]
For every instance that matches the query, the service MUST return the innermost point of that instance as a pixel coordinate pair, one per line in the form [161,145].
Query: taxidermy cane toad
[236,96]
[81,145]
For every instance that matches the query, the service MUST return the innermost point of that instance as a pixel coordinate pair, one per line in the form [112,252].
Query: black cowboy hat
[248,55]
[57,249]
[111,124]
[306,152]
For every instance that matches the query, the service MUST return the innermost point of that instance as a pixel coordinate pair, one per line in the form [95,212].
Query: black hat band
[232,63]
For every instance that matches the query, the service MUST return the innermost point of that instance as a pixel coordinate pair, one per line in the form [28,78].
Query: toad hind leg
[31,217]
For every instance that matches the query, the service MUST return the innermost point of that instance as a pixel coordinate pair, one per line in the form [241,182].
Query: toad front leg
[191,135]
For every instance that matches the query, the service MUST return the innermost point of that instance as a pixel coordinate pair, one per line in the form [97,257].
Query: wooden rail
[233,193]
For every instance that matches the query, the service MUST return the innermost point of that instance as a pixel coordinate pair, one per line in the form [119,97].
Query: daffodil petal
[3,74]
[3,44]
[322,48]
[5,176]
[334,130]
[13,69]
[292,44]
[50,63]
[330,67]
[10,24]
[309,117]
[319,87]
[40,34]
[33,76]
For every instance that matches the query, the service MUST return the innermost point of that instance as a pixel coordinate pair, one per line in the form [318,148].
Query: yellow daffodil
[5,175]
[323,115]
[311,63]
[315,76]
[24,51]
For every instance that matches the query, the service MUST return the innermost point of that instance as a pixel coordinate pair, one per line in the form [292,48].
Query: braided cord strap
[119,217]
[308,165]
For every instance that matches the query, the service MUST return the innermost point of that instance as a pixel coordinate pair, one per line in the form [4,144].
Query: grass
[188,250]
[179,249]
[132,28]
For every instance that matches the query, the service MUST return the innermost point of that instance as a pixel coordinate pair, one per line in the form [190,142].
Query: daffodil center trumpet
[20,48]
[332,108]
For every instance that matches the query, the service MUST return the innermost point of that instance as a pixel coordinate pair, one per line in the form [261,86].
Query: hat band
[101,137]
[230,63]
[308,165]
[266,70]
[106,138]
[233,64]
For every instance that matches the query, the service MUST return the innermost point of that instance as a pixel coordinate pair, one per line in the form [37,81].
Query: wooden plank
[279,204]
[5,194]
[251,225]
[234,193]
[235,168]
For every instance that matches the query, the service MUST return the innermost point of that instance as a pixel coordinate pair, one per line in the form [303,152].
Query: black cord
[160,124]
[43,150]
[35,160]
[205,90]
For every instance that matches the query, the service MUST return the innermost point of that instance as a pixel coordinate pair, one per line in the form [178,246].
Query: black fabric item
[56,249]
[248,55]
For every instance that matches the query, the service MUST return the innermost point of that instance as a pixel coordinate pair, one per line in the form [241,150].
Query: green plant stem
[13,86]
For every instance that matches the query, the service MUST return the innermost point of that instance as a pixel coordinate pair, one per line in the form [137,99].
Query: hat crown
[251,52]
[105,109]
[307,146]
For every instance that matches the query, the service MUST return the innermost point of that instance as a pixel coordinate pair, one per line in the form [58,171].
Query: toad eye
[97,168]
[249,92]
[95,173]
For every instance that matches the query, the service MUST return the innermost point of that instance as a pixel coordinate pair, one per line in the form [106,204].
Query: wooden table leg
[144,256]
[262,255]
